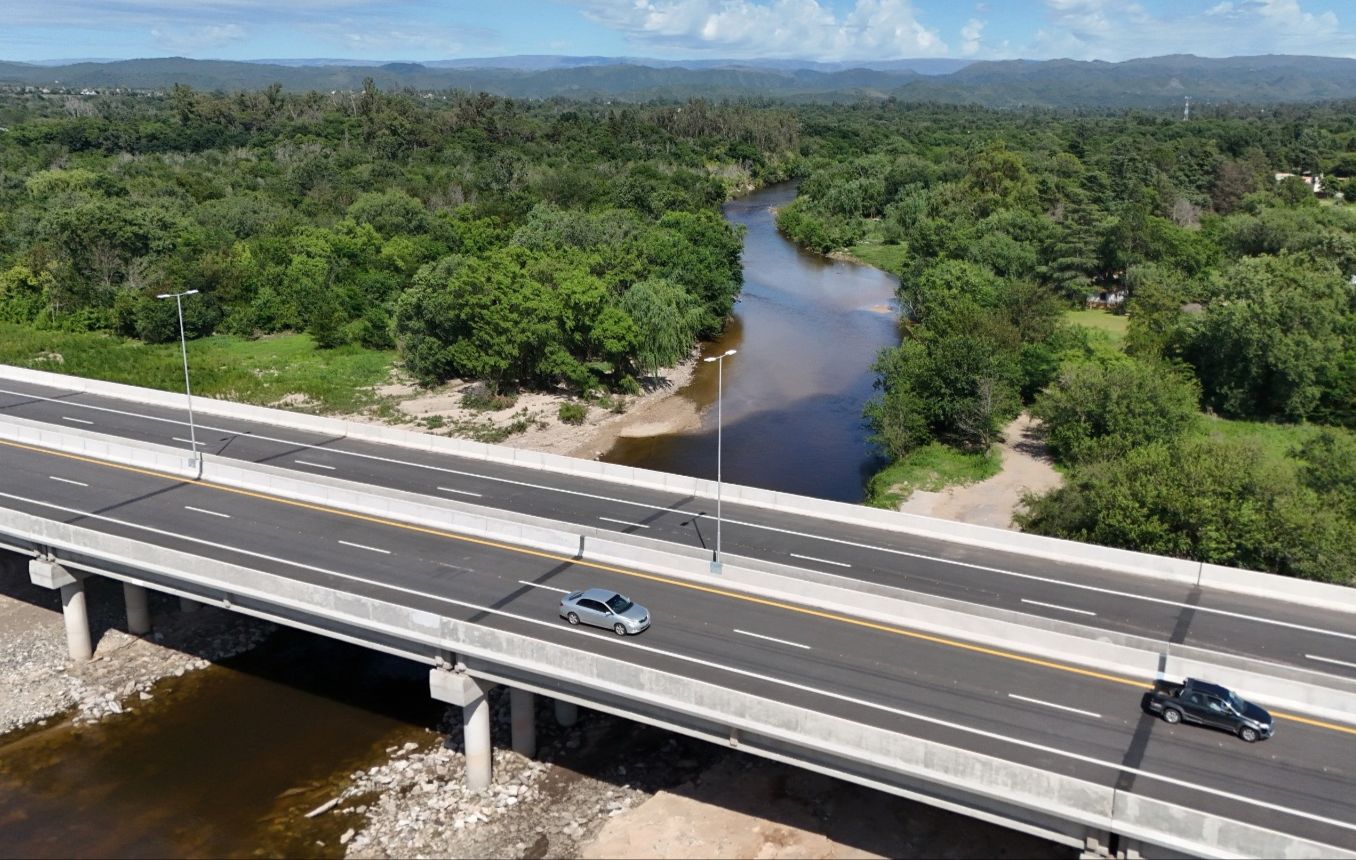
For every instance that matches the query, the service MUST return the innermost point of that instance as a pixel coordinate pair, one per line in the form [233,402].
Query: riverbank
[39,685]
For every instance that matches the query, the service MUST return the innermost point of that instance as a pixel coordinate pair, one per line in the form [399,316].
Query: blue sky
[805,29]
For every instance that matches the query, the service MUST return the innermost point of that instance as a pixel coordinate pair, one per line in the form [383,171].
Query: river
[221,761]
[807,330]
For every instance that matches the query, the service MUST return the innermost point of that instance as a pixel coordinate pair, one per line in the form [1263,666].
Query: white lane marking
[771,639]
[1052,705]
[652,507]
[630,642]
[75,420]
[186,441]
[366,547]
[1321,659]
[313,465]
[461,492]
[624,522]
[209,513]
[68,481]
[1057,606]
[547,587]
[820,560]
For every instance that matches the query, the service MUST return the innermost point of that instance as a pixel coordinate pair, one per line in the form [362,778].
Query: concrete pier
[50,574]
[73,609]
[138,609]
[459,688]
[523,720]
[567,713]
[475,728]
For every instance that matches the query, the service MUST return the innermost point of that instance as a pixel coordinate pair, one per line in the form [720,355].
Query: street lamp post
[720,396]
[188,391]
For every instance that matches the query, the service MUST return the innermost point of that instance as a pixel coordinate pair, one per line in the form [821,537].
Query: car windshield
[1238,704]
[618,604]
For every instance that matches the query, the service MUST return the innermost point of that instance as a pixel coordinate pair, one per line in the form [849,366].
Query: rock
[348,834]
[323,808]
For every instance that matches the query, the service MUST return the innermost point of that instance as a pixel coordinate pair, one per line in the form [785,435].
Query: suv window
[1193,698]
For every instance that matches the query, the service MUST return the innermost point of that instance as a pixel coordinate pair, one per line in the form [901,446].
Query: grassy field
[889,258]
[1112,325]
[931,468]
[1274,441]
[260,371]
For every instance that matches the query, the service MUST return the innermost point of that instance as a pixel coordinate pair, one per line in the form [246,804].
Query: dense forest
[579,246]
[1240,292]
[534,244]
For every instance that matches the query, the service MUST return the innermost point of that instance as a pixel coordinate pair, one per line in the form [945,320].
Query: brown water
[808,330]
[225,762]
[221,763]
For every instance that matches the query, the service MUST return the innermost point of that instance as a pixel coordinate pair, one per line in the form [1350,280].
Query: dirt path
[1026,468]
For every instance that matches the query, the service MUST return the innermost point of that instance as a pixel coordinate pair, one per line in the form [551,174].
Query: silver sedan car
[603,608]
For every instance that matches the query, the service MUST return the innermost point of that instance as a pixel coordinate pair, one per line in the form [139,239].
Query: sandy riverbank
[532,420]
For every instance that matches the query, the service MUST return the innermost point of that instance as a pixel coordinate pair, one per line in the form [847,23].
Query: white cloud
[871,29]
[1117,30]
[971,34]
[197,38]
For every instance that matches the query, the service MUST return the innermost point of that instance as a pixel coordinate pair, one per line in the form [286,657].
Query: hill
[1152,82]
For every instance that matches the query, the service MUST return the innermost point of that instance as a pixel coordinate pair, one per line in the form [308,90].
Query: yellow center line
[635,574]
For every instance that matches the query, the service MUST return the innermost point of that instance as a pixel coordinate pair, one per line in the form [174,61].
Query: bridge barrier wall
[107,448]
[1305,592]
[816,734]
[1327,696]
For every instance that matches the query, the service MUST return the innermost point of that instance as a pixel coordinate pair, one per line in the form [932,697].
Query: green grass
[260,371]
[1114,326]
[888,258]
[930,468]
[1275,441]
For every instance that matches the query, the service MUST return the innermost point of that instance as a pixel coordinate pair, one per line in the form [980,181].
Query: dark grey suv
[603,608]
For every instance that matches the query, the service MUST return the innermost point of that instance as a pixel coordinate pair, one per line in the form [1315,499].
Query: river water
[223,762]
[807,330]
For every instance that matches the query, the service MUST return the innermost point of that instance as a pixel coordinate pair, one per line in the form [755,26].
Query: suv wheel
[1248,734]
[1172,716]
[573,618]
[619,629]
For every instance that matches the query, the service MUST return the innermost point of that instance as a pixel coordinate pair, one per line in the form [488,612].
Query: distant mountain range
[1151,82]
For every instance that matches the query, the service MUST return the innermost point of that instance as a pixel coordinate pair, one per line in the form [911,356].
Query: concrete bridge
[996,674]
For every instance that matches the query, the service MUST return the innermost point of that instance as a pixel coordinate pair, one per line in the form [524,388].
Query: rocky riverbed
[609,787]
[37,680]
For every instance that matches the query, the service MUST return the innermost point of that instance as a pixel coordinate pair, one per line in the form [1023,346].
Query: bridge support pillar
[459,688]
[50,574]
[567,713]
[523,720]
[138,609]
[187,605]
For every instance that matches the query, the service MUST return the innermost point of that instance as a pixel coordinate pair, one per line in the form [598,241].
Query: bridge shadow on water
[226,762]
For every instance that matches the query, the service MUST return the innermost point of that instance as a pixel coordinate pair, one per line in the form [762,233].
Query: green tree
[666,318]
[1204,499]
[1104,409]
[1273,339]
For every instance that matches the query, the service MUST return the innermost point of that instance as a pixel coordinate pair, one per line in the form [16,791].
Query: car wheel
[1248,734]
[619,629]
[1172,716]
[572,618]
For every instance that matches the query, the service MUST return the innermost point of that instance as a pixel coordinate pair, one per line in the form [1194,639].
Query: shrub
[573,413]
